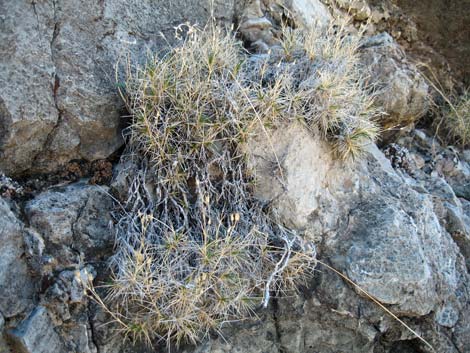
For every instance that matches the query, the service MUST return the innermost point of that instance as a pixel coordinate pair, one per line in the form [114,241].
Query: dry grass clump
[194,249]
[456,120]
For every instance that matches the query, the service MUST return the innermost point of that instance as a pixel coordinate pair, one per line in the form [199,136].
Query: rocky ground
[396,223]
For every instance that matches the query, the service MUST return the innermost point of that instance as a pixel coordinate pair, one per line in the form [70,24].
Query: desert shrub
[456,120]
[194,249]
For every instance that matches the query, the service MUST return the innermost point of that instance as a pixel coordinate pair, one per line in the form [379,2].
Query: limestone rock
[289,172]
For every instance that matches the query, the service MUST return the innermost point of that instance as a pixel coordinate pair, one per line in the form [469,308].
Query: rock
[289,172]
[16,285]
[68,293]
[402,91]
[72,219]
[383,234]
[26,120]
[254,338]
[384,256]
[9,188]
[59,99]
[36,334]
[82,339]
[444,175]
[34,245]
[308,12]
[255,29]
[359,9]
[3,343]
[447,316]
[399,157]
[259,20]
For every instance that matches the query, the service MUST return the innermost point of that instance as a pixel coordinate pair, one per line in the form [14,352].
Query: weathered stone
[444,176]
[27,108]
[68,293]
[447,316]
[377,229]
[72,217]
[36,334]
[16,285]
[3,343]
[82,339]
[307,12]
[402,91]
[383,244]
[34,245]
[58,98]
[359,9]
[289,172]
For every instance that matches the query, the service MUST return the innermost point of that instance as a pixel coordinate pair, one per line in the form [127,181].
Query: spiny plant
[456,119]
[194,249]
[451,111]
[329,89]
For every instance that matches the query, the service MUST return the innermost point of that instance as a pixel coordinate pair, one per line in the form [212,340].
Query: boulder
[402,92]
[381,232]
[375,224]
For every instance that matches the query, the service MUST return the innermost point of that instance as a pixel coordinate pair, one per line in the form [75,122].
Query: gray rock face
[16,286]
[36,334]
[27,108]
[58,97]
